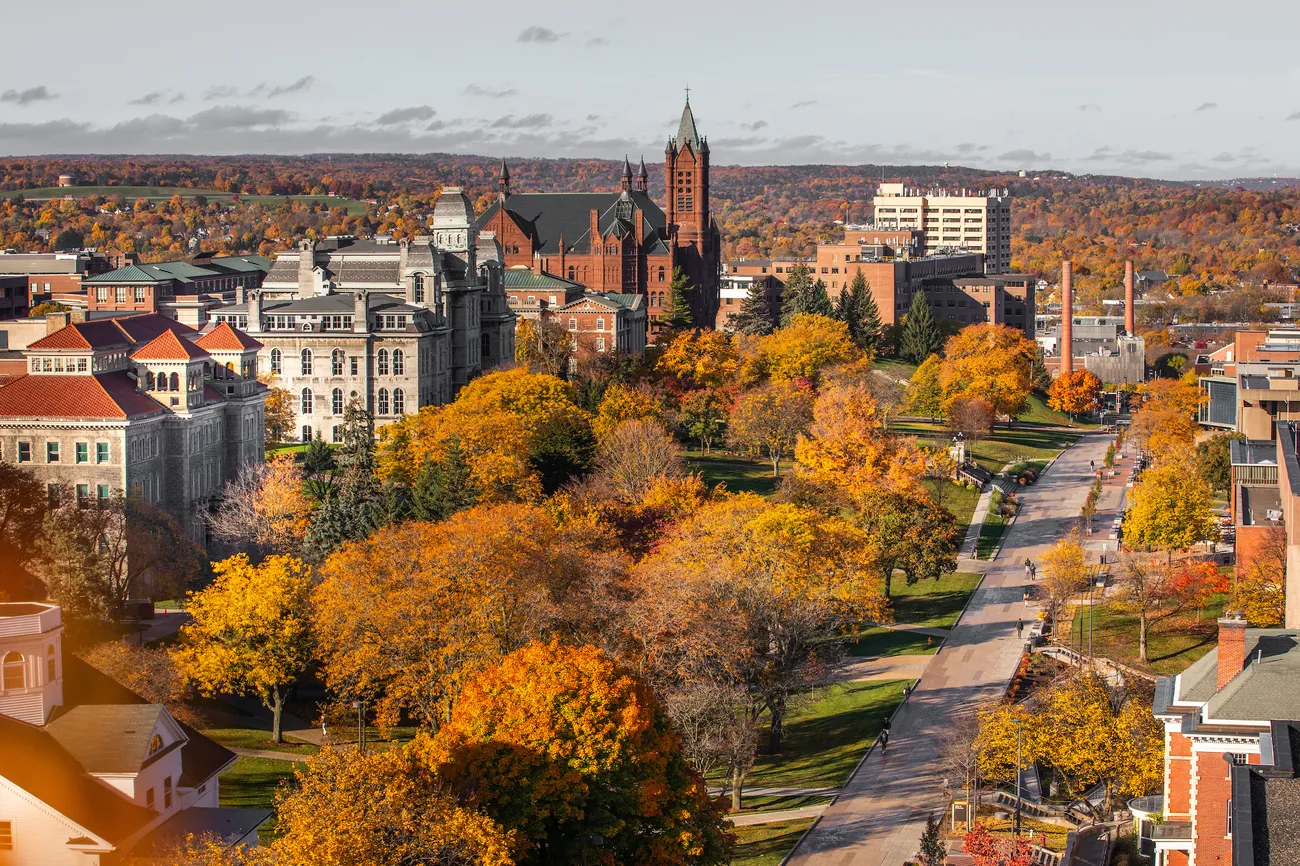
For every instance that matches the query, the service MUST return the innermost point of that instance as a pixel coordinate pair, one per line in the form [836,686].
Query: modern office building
[950,220]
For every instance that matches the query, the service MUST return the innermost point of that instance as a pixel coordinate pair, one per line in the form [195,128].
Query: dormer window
[13,672]
[155,744]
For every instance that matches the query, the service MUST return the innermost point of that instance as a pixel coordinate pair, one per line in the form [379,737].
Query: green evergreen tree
[679,313]
[871,331]
[921,336]
[444,487]
[819,302]
[355,505]
[846,307]
[318,457]
[796,297]
[932,851]
[755,316]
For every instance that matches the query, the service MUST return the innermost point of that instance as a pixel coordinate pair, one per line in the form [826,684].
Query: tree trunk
[777,710]
[1142,638]
[737,780]
[276,707]
[776,466]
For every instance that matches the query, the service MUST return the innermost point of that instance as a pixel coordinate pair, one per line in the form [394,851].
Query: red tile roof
[169,347]
[84,335]
[225,338]
[103,395]
[12,368]
[146,326]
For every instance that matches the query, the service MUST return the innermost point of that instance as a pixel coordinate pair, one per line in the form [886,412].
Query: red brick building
[600,322]
[621,241]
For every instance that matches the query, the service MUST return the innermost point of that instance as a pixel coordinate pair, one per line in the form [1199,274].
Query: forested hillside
[1207,236]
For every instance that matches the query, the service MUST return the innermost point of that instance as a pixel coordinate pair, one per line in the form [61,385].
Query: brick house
[1219,717]
[600,322]
[183,290]
[621,242]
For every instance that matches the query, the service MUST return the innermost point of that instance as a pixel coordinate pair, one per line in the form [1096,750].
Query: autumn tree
[350,808]
[1170,508]
[251,631]
[622,403]
[991,362]
[635,453]
[985,849]
[1157,591]
[23,502]
[702,416]
[924,393]
[264,508]
[278,414]
[847,446]
[149,671]
[921,336]
[558,744]
[1065,571]
[1260,592]
[1074,393]
[915,535]
[702,359]
[407,616]
[543,346]
[770,419]
[1180,396]
[803,349]
[972,417]
[1214,459]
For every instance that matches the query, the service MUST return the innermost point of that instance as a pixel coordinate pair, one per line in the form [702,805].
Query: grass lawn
[779,804]
[991,532]
[894,367]
[933,603]
[878,642]
[248,738]
[1172,646]
[1039,413]
[1004,445]
[160,193]
[827,734]
[960,501]
[739,473]
[767,844]
[251,783]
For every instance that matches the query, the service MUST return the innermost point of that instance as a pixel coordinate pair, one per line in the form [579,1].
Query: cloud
[180,97]
[597,41]
[1295,115]
[405,115]
[528,121]
[1225,157]
[151,98]
[1128,157]
[591,117]
[1206,106]
[538,34]
[970,148]
[220,91]
[807,103]
[304,83]
[233,117]
[755,126]
[1088,106]
[488,92]
[1024,155]
[39,93]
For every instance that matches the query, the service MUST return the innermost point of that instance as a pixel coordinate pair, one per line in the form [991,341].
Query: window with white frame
[306,361]
[308,401]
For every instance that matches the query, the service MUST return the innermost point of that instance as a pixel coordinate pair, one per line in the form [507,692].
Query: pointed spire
[642,177]
[686,131]
[505,171]
[641,172]
[625,181]
[503,181]
[627,167]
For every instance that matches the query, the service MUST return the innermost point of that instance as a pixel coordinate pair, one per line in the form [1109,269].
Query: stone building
[622,241]
[395,326]
[140,405]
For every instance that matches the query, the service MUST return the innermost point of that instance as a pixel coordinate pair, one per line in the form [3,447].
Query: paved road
[878,819]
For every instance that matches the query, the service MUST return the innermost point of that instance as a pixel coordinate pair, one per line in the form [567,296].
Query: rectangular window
[1228,811]
[83,452]
[148,798]
[101,452]
[24,452]
[573,324]
[354,366]
[51,452]
[6,836]
[102,490]
[167,792]
[139,294]
[119,294]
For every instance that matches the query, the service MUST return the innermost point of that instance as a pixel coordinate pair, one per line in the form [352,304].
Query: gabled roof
[526,278]
[169,347]
[146,326]
[129,274]
[544,217]
[35,761]
[101,395]
[108,738]
[226,338]
[84,335]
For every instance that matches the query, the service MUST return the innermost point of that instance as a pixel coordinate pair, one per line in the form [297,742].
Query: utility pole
[1018,727]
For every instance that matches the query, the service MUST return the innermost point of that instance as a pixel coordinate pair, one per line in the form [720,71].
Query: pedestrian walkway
[972,538]
[267,753]
[291,726]
[901,667]
[780,792]
[751,818]
[878,818]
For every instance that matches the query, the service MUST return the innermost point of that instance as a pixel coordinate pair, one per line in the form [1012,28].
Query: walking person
[1020,628]
[884,740]
[1033,571]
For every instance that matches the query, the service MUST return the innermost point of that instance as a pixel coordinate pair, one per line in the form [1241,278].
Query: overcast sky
[1186,89]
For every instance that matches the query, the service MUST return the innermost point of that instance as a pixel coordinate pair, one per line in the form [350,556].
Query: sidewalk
[877,820]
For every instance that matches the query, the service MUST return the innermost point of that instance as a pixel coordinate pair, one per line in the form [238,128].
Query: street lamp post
[1018,726]
[360,707]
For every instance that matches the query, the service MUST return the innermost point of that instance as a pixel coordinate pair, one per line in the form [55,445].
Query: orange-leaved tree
[992,362]
[406,617]
[770,419]
[803,349]
[703,359]
[1074,393]
[1157,590]
[380,809]
[265,507]
[251,632]
[558,744]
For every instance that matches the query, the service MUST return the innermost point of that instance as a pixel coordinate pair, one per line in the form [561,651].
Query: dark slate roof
[108,738]
[686,131]
[546,216]
[229,825]
[1264,689]
[1253,452]
[35,761]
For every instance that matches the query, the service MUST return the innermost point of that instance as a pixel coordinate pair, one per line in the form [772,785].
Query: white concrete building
[960,219]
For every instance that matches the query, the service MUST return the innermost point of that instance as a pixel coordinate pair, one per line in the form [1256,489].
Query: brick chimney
[1067,317]
[1232,647]
[1128,298]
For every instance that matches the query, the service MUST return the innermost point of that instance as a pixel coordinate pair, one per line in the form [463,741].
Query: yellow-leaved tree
[803,349]
[1170,507]
[380,809]
[991,362]
[705,359]
[622,403]
[518,431]
[251,632]
[1260,591]
[1065,571]
[924,391]
[770,419]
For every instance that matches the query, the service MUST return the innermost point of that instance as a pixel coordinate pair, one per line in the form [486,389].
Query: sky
[1182,90]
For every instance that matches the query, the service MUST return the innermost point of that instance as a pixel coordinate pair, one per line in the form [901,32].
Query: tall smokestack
[1067,317]
[1128,298]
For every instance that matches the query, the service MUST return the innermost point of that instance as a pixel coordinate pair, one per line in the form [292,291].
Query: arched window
[381,363]
[51,665]
[176,382]
[571,272]
[485,350]
[661,273]
[418,290]
[381,404]
[151,383]
[155,744]
[277,361]
[308,401]
[306,362]
[336,401]
[399,362]
[399,402]
[13,672]
[336,362]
